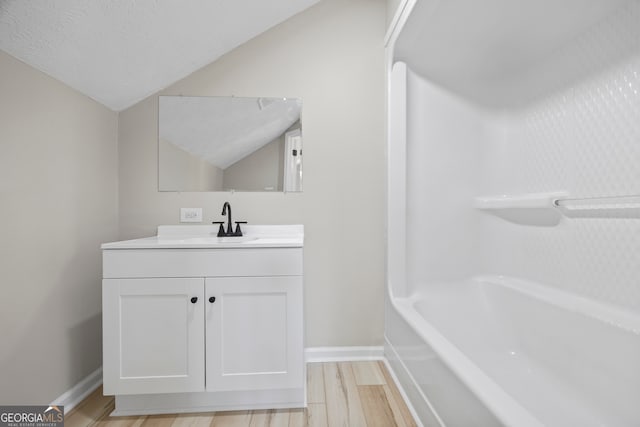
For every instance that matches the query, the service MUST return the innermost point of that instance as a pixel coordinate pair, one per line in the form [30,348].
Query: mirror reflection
[229,144]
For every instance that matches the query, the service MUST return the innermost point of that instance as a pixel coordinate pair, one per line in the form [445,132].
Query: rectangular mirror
[229,144]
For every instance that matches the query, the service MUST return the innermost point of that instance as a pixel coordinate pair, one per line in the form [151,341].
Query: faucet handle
[238,232]
[221,232]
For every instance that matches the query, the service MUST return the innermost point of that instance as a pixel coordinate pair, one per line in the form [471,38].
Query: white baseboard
[80,391]
[76,394]
[342,354]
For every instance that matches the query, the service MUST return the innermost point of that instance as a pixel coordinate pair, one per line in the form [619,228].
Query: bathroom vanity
[195,322]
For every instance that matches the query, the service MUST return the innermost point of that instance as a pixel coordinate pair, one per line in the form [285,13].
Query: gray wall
[182,170]
[331,56]
[73,173]
[259,170]
[58,187]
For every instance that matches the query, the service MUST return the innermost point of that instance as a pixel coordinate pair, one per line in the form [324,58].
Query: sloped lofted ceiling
[118,52]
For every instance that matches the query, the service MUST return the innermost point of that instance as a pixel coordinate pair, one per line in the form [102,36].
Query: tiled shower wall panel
[582,138]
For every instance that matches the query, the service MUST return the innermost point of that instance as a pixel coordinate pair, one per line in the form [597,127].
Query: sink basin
[205,236]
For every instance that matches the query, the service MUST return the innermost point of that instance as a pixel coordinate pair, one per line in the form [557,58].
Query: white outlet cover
[190,214]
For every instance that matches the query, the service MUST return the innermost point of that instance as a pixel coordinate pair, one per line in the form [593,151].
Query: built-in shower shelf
[527,209]
[548,208]
[522,201]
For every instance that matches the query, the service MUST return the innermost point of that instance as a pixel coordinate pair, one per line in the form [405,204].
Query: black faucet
[229,232]
[227,208]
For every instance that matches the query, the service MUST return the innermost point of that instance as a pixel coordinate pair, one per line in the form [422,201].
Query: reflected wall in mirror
[229,144]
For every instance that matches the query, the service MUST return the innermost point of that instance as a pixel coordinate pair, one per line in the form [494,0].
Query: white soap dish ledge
[537,209]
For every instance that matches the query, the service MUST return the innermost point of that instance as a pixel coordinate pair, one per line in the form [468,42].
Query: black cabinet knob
[212,299]
[194,300]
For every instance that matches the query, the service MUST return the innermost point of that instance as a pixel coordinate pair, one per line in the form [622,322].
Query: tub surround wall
[562,119]
[445,135]
[392,10]
[582,138]
[58,185]
[331,56]
[577,133]
[503,43]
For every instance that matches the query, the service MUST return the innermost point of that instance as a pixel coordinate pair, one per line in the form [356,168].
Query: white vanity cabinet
[153,335]
[248,329]
[201,323]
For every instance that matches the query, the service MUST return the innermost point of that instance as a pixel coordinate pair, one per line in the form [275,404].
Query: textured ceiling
[118,52]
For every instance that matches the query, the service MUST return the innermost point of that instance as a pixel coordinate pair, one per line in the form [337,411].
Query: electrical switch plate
[190,214]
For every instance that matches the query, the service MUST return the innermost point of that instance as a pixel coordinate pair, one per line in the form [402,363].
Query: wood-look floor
[339,394]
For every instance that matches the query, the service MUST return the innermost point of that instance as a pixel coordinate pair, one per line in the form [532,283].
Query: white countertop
[205,237]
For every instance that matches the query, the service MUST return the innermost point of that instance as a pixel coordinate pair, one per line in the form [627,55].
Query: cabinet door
[254,333]
[153,335]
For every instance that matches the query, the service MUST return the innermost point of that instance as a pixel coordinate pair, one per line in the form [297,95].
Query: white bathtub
[497,351]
